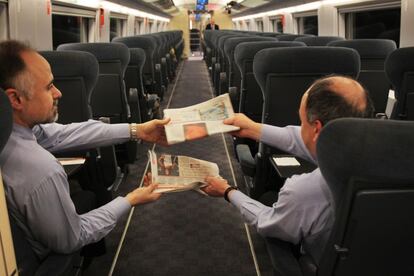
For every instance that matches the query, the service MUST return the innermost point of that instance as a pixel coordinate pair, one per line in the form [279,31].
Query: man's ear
[14,98]
[317,127]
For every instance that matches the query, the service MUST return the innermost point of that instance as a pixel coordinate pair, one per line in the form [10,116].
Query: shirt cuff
[120,206]
[237,198]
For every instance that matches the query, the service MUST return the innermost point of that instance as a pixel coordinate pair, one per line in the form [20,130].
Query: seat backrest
[251,96]
[399,68]
[109,97]
[367,165]
[148,45]
[318,40]
[373,53]
[75,74]
[284,74]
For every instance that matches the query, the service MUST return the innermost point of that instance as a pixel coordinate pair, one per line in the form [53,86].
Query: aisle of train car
[185,233]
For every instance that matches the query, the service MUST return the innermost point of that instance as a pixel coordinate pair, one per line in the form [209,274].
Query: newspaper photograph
[175,173]
[200,120]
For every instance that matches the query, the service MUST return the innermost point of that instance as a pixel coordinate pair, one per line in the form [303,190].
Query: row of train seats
[266,75]
[119,82]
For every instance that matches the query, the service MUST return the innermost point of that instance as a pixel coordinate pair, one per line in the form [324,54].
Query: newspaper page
[175,173]
[200,120]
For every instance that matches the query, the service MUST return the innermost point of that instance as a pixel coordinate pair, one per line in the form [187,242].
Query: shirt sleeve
[77,136]
[285,220]
[287,139]
[52,217]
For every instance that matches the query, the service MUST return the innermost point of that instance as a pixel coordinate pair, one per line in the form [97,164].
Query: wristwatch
[227,191]
[133,132]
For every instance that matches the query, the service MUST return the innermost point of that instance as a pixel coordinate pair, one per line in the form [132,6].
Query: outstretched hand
[216,186]
[248,128]
[143,195]
[153,131]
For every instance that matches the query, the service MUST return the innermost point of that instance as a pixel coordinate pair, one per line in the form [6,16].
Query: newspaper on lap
[200,120]
[176,173]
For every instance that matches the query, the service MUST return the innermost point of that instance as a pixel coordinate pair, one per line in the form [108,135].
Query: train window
[276,24]
[137,27]
[374,24]
[117,25]
[71,24]
[4,22]
[259,25]
[66,29]
[308,25]
[247,22]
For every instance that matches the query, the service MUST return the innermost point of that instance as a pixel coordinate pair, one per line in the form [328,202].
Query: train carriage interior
[119,64]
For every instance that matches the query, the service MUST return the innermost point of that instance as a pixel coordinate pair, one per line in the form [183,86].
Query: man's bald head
[336,97]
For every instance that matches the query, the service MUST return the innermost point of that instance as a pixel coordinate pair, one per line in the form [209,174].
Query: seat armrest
[247,163]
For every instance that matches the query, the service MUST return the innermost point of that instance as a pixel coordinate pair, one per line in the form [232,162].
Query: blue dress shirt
[303,213]
[37,189]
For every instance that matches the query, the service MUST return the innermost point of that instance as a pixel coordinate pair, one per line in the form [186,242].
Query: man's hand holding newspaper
[200,120]
[175,173]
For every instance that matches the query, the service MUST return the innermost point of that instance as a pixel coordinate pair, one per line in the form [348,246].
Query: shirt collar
[24,132]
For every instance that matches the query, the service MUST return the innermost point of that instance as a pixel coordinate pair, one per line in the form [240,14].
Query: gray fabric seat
[283,75]
[399,68]
[143,104]
[148,45]
[109,99]
[233,74]
[251,97]
[75,74]
[373,53]
[367,164]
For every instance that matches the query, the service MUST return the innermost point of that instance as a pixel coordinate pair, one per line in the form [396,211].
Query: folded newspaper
[200,120]
[176,173]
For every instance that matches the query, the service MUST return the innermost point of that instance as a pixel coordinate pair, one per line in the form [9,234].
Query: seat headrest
[143,42]
[305,61]
[368,48]
[291,37]
[318,40]
[365,148]
[399,62]
[247,50]
[73,64]
[102,51]
[6,119]
[232,42]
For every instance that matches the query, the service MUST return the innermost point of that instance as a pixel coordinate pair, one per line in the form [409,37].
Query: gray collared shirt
[303,213]
[37,188]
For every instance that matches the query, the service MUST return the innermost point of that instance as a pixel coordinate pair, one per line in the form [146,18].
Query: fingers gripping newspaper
[176,173]
[199,120]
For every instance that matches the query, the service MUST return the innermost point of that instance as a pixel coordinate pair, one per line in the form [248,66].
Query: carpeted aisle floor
[186,233]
